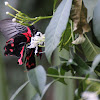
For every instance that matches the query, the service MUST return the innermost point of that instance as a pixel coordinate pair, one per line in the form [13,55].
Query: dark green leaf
[56,26]
[66,38]
[82,67]
[69,66]
[62,59]
[54,71]
[37,77]
[19,90]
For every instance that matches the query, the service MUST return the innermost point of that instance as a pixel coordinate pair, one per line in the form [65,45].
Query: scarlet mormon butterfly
[18,37]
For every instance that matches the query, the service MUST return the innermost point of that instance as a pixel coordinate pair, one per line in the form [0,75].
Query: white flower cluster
[89,96]
[37,40]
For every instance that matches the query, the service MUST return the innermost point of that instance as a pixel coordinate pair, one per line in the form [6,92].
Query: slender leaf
[56,26]
[37,77]
[19,90]
[36,97]
[90,50]
[96,21]
[46,88]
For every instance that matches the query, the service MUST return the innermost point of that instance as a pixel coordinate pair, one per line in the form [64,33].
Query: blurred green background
[12,75]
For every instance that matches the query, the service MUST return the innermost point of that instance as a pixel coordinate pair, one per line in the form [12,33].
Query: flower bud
[14,20]
[6,3]
[7,13]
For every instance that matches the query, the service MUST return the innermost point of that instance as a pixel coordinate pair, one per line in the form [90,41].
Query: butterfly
[21,40]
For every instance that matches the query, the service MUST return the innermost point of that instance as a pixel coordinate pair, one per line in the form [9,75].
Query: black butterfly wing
[30,57]
[10,29]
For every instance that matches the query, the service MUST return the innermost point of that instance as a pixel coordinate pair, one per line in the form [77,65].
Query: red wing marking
[10,40]
[20,59]
[28,34]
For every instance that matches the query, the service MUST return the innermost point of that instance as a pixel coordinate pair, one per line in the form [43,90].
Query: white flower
[89,96]
[38,39]
[7,13]
[79,40]
[14,20]
[33,43]
[6,3]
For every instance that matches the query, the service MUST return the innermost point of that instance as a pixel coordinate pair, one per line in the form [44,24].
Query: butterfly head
[33,30]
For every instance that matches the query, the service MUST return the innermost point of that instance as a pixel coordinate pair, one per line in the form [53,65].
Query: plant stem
[13,8]
[68,40]
[11,15]
[72,30]
[72,34]
[73,77]
[45,17]
[39,18]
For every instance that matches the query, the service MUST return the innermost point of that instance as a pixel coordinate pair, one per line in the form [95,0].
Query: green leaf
[54,5]
[36,97]
[62,59]
[37,77]
[90,50]
[82,68]
[56,26]
[53,71]
[95,62]
[56,71]
[69,67]
[19,90]
[90,5]
[66,38]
